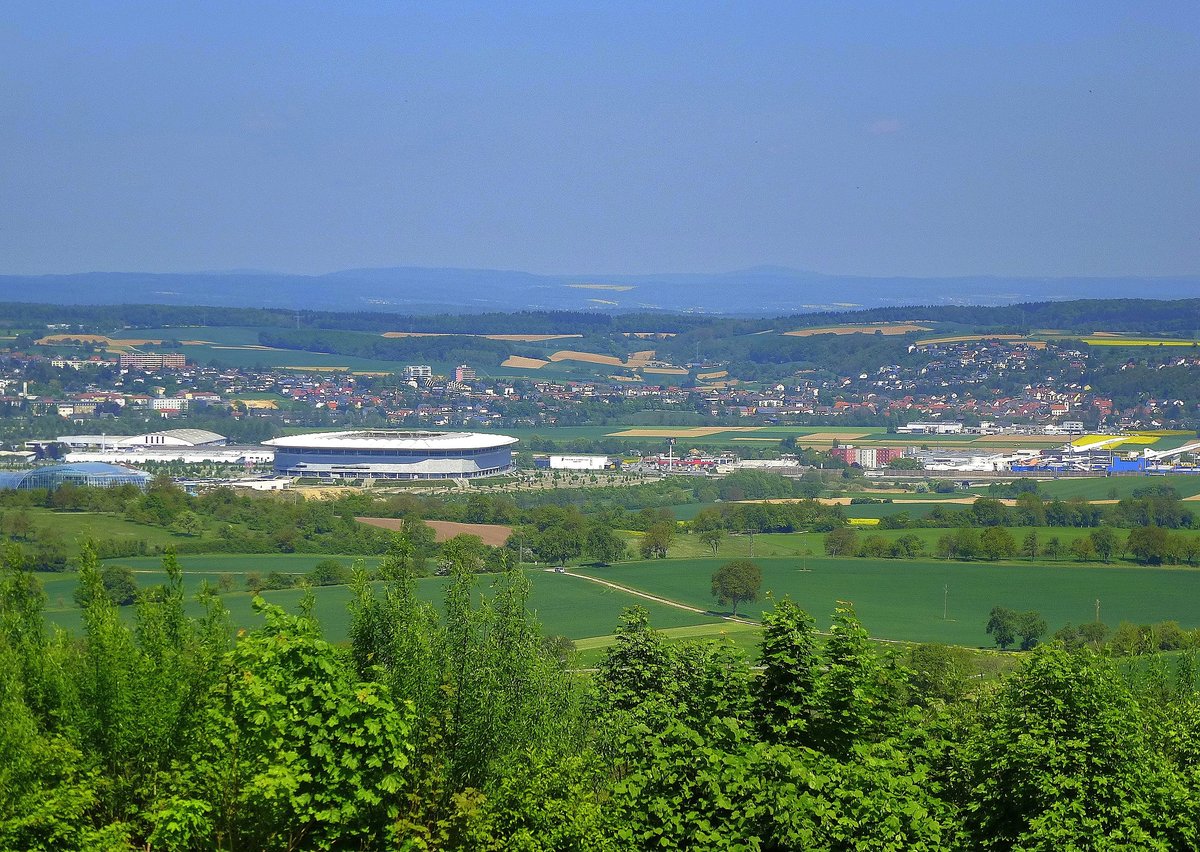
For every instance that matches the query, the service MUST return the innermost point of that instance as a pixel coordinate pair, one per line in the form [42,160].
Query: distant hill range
[761,291]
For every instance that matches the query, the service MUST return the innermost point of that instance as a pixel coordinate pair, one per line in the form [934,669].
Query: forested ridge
[461,727]
[1079,315]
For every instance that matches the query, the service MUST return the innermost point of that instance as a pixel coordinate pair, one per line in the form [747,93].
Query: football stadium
[377,454]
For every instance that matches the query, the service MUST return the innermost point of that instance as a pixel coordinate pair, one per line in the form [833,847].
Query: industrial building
[931,428]
[190,446]
[166,438]
[93,474]
[972,461]
[378,454]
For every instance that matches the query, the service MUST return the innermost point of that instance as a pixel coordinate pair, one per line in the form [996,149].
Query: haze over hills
[760,291]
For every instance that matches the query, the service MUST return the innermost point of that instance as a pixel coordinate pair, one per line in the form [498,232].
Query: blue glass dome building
[93,474]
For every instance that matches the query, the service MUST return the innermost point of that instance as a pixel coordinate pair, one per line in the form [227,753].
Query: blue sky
[1015,138]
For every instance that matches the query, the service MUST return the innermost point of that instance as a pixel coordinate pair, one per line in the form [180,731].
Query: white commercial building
[166,438]
[931,428]
[187,455]
[578,462]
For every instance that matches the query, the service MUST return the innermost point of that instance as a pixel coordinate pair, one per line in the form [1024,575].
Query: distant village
[959,384]
[990,388]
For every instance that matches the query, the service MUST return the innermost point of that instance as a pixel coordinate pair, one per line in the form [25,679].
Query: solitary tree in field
[1083,549]
[603,544]
[1104,542]
[841,541]
[1031,627]
[997,543]
[712,538]
[1029,547]
[735,582]
[1002,626]
[657,540]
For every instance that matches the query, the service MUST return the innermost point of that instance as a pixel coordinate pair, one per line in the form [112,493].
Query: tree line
[1154,505]
[463,727]
[1149,545]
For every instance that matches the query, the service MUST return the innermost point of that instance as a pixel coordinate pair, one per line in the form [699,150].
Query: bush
[278,580]
[329,572]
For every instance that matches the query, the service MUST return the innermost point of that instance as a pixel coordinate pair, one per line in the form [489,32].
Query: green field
[77,527]
[229,335]
[899,600]
[563,605]
[1139,341]
[285,358]
[687,511]
[904,600]
[1102,488]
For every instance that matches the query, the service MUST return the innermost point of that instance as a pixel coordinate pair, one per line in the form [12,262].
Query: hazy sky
[869,138]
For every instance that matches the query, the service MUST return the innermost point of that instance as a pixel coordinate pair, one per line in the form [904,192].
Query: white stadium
[388,454]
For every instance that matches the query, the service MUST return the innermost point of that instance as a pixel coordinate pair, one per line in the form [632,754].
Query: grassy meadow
[1106,488]
[904,600]
[77,527]
[564,605]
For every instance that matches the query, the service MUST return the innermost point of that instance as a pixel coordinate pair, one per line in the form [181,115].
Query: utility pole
[1097,610]
[750,533]
[945,601]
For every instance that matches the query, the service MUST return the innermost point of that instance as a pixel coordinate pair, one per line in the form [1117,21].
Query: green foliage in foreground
[461,728]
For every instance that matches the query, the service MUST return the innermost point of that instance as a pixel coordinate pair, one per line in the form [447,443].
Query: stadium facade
[377,454]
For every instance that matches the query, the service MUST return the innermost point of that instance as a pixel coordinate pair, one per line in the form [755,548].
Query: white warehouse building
[578,462]
[931,428]
[166,438]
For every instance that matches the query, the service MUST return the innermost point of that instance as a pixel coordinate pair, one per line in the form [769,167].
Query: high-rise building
[152,361]
[463,374]
[868,457]
[418,371]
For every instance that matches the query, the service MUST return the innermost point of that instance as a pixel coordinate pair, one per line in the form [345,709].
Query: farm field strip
[521,362]
[972,338]
[511,338]
[680,432]
[854,328]
[493,535]
[1138,341]
[586,357]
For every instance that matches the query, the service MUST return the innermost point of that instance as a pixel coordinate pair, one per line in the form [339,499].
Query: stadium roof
[191,436]
[393,440]
[178,437]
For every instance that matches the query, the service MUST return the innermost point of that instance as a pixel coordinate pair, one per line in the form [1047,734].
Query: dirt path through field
[678,605]
[647,596]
